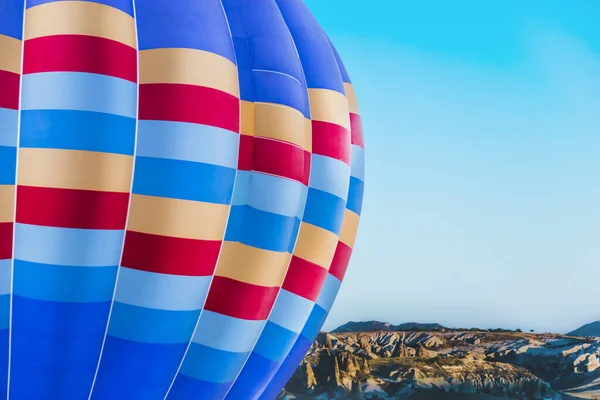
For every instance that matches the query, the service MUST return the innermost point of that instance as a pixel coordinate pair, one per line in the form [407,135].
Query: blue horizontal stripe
[227,333]
[151,326]
[254,378]
[324,210]
[133,370]
[260,229]
[8,165]
[64,283]
[357,164]
[11,18]
[269,193]
[9,122]
[124,5]
[79,91]
[5,276]
[285,371]
[318,60]
[161,291]
[190,388]
[267,86]
[329,175]
[275,342]
[188,142]
[183,180]
[56,345]
[77,130]
[329,291]
[4,311]
[290,311]
[212,365]
[294,236]
[270,87]
[66,246]
[183,24]
[314,323]
[355,195]
[4,358]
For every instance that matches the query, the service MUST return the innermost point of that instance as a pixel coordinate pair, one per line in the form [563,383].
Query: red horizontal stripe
[356,130]
[245,152]
[9,90]
[71,208]
[6,239]
[80,53]
[240,300]
[281,159]
[304,278]
[170,255]
[331,140]
[340,261]
[189,103]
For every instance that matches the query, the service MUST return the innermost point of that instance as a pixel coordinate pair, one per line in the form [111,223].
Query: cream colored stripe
[10,54]
[316,245]
[252,265]
[247,118]
[349,228]
[74,169]
[80,18]
[189,66]
[352,101]
[177,218]
[282,123]
[329,106]
[7,202]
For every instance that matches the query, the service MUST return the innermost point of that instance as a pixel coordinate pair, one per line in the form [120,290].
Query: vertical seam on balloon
[303,208]
[185,353]
[17,145]
[137,122]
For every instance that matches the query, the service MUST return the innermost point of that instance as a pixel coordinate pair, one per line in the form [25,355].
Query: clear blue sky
[482,128]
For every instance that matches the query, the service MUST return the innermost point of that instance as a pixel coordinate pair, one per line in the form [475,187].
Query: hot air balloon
[180,189]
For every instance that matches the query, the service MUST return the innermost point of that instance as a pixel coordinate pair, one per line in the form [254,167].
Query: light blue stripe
[64,283]
[330,289]
[212,365]
[291,311]
[227,333]
[188,142]
[148,325]
[357,163]
[79,91]
[8,127]
[5,269]
[66,246]
[329,175]
[269,193]
[161,291]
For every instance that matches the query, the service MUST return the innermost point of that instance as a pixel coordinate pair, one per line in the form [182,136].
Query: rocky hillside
[447,365]
[373,326]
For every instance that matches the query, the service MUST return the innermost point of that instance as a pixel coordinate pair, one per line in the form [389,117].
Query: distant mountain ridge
[374,326]
[591,329]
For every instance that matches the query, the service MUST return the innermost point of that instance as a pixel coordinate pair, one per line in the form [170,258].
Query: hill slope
[591,329]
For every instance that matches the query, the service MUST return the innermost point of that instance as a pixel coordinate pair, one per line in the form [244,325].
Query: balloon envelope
[180,190]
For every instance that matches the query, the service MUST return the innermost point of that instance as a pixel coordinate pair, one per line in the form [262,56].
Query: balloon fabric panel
[183,182]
